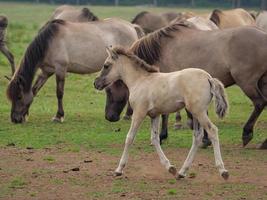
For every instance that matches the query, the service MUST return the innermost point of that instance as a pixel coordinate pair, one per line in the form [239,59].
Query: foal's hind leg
[164,128]
[60,92]
[212,131]
[178,118]
[9,55]
[197,136]
[155,122]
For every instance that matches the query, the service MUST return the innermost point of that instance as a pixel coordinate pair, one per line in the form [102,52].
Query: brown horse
[3,47]
[225,54]
[73,14]
[152,21]
[62,47]
[232,18]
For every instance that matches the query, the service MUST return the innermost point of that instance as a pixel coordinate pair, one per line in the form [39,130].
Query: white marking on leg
[155,122]
[197,138]
[136,122]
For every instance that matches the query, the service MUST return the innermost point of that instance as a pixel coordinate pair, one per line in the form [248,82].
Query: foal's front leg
[155,122]
[137,119]
[9,55]
[60,92]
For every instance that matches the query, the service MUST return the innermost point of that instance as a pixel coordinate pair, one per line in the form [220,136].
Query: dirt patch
[57,174]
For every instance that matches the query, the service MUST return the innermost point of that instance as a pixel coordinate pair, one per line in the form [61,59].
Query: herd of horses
[169,61]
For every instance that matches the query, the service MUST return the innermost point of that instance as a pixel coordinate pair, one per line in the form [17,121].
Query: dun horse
[3,47]
[153,93]
[225,54]
[73,14]
[62,47]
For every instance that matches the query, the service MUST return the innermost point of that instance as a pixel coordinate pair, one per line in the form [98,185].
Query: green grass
[85,126]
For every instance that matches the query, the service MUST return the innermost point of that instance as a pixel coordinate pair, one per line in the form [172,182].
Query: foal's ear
[111,53]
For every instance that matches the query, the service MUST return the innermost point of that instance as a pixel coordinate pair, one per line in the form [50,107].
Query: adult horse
[225,54]
[150,22]
[73,14]
[62,47]
[261,20]
[231,18]
[3,47]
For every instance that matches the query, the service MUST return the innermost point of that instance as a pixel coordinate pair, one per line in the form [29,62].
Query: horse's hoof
[127,117]
[179,176]
[225,175]
[177,126]
[58,119]
[172,170]
[117,173]
[246,139]
[263,145]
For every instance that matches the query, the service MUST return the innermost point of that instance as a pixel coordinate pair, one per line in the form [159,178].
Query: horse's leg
[155,122]
[259,105]
[197,136]
[178,119]
[212,131]
[60,92]
[137,119]
[205,140]
[264,145]
[40,81]
[128,113]
[9,55]
[164,128]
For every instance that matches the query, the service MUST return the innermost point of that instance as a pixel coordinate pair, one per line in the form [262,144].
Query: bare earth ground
[50,174]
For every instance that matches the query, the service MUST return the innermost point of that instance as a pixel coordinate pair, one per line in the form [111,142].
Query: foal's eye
[106,66]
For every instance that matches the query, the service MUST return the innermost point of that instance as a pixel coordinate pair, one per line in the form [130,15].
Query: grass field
[85,133]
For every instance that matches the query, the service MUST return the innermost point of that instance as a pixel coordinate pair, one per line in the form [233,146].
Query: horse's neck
[131,74]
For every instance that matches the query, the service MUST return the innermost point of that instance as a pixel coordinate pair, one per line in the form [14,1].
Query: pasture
[75,160]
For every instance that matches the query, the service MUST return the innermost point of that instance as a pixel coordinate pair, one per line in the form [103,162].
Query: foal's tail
[221,101]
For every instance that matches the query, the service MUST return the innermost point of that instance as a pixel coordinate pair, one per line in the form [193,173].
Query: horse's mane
[148,48]
[34,55]
[90,15]
[141,14]
[141,63]
[215,16]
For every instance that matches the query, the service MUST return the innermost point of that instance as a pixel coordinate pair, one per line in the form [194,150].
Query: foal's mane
[149,48]
[34,55]
[140,63]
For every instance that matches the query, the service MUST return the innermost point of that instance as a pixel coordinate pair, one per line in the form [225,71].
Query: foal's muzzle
[99,83]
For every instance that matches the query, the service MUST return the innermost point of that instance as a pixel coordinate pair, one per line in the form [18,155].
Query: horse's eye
[106,66]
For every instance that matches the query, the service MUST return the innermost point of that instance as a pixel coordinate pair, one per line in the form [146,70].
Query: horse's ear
[109,51]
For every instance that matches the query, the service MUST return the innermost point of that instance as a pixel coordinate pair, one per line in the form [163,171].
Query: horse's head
[117,97]
[20,98]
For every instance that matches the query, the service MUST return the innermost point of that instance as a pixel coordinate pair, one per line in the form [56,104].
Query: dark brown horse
[225,54]
[3,47]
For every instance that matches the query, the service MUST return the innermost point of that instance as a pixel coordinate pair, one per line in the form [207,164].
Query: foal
[189,88]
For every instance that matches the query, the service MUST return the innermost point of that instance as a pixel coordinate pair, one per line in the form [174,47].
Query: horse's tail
[140,32]
[221,102]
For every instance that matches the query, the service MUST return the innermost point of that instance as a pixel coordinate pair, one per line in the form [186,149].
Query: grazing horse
[3,47]
[73,14]
[153,93]
[232,18]
[62,47]
[150,22]
[234,56]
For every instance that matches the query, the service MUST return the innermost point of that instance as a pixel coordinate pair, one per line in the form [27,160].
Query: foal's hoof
[58,119]
[117,173]
[225,175]
[172,170]
[246,139]
[177,126]
[127,117]
[179,176]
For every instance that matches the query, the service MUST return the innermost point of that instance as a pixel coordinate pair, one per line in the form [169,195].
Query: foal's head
[109,72]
